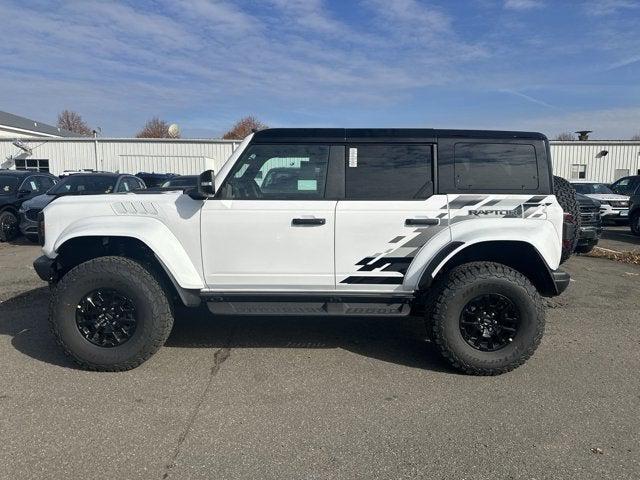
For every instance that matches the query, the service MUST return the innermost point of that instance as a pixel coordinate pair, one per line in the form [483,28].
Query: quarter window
[388,172]
[273,172]
[495,166]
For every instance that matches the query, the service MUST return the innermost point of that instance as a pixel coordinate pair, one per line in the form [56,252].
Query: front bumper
[28,227]
[45,267]
[561,280]
[589,235]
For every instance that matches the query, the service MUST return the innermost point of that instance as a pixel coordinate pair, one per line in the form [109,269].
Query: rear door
[388,214]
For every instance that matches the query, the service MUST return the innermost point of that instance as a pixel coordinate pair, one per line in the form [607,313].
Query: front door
[389,213]
[270,226]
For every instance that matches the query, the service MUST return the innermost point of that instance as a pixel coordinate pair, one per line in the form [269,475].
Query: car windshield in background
[84,184]
[592,188]
[8,185]
[181,182]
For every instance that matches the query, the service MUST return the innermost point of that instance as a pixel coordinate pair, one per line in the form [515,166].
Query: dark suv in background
[94,183]
[16,187]
[590,223]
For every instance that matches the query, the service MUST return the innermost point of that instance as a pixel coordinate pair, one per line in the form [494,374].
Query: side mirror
[206,186]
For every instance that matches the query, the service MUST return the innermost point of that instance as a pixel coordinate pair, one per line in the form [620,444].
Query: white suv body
[612,205]
[322,221]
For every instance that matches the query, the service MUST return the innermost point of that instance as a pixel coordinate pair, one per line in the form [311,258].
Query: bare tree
[72,121]
[636,137]
[565,136]
[244,127]
[157,128]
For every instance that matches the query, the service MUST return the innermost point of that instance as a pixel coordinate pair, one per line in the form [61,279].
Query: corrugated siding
[621,156]
[194,156]
[184,157]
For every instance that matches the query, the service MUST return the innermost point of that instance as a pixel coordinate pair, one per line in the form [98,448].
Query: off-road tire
[8,226]
[634,223]
[466,282]
[566,195]
[153,308]
[584,248]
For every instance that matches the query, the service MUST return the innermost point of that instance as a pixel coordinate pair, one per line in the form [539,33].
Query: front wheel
[634,223]
[487,318]
[110,314]
[584,248]
[8,226]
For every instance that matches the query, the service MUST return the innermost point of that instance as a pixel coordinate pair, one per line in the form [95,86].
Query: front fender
[540,234]
[150,231]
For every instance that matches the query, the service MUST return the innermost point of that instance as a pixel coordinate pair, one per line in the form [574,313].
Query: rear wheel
[487,318]
[566,195]
[110,314]
[8,226]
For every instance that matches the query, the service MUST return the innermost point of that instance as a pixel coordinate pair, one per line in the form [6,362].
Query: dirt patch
[625,257]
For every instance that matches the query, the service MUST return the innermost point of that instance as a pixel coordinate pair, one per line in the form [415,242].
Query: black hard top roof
[272,135]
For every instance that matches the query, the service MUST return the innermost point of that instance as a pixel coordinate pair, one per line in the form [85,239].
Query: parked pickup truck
[461,227]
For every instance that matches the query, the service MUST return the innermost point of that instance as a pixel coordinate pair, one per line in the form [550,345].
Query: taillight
[41,228]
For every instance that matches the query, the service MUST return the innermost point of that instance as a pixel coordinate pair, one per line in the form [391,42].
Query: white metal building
[597,160]
[124,155]
[603,161]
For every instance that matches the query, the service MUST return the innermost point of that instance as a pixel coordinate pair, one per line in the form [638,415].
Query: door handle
[308,221]
[413,222]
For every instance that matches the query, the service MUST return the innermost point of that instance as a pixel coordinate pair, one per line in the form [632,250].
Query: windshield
[181,182]
[84,184]
[8,184]
[592,188]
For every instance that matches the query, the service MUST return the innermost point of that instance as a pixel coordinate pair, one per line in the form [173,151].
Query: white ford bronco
[461,227]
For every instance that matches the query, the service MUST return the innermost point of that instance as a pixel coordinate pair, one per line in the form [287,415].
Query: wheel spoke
[489,322]
[106,318]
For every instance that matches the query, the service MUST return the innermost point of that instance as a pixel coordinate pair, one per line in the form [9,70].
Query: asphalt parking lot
[325,398]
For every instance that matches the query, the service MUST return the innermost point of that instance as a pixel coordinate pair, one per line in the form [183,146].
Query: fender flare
[150,231]
[434,255]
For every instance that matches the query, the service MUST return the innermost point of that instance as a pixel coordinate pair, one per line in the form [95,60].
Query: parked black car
[626,185]
[590,223]
[634,211]
[179,182]
[16,187]
[75,184]
[153,180]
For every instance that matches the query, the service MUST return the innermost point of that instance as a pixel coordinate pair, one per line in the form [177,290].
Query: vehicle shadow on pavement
[623,236]
[396,340]
[400,340]
[24,318]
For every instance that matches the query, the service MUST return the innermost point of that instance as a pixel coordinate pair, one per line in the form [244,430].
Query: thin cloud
[523,4]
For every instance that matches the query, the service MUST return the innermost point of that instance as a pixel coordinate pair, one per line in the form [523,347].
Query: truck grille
[589,215]
[32,214]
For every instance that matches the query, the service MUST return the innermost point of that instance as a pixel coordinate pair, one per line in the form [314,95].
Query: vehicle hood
[40,202]
[608,196]
[585,201]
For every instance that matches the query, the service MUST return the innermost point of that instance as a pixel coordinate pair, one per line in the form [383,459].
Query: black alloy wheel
[489,322]
[106,318]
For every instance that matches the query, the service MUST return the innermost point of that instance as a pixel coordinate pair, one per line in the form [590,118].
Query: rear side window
[495,166]
[388,172]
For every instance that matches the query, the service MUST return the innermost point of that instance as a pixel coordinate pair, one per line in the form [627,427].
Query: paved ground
[619,238]
[325,398]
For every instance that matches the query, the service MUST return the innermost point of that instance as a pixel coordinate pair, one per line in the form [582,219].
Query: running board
[309,304]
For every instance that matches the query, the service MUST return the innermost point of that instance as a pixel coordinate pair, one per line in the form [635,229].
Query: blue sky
[547,65]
